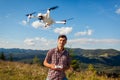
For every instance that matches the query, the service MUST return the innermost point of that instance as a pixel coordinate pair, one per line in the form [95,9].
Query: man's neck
[60,48]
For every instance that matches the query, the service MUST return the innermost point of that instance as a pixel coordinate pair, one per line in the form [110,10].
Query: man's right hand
[52,66]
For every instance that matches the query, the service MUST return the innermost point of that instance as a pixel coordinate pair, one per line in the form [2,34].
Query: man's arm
[68,62]
[52,66]
[47,61]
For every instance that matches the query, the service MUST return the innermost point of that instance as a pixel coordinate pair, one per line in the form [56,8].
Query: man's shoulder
[67,52]
[53,49]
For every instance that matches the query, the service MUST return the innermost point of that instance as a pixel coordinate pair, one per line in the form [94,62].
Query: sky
[95,24]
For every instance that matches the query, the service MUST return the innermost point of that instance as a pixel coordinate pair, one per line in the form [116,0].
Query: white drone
[45,18]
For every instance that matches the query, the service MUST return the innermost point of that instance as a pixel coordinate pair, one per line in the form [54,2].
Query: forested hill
[109,57]
[103,59]
[24,55]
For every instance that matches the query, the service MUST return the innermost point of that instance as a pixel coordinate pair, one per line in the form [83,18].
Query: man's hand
[52,66]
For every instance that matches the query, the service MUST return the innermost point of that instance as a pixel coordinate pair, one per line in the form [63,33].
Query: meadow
[21,71]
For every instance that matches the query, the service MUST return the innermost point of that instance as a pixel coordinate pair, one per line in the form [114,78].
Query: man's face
[61,42]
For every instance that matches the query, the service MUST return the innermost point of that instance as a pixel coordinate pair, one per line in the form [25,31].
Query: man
[58,60]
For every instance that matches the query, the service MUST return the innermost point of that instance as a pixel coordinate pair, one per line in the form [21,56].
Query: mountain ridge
[100,58]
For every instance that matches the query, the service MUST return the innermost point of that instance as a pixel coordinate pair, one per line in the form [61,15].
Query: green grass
[21,71]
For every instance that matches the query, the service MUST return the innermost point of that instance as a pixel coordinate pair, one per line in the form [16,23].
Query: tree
[36,60]
[75,65]
[91,67]
[11,57]
[2,56]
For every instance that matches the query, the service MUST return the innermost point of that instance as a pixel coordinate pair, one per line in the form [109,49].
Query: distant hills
[101,58]
[23,55]
[109,57]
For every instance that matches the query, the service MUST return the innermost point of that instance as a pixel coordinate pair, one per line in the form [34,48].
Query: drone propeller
[69,19]
[30,14]
[52,8]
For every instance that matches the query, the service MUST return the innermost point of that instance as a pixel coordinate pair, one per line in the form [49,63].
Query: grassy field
[21,71]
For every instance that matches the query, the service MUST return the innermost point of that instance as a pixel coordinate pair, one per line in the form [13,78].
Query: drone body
[45,18]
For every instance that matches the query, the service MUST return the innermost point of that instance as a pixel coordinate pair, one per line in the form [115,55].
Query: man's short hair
[62,36]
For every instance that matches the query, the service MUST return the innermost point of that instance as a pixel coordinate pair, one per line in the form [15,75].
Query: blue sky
[96,24]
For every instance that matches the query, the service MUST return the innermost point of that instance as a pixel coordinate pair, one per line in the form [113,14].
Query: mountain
[102,59]
[109,57]
[23,55]
[104,56]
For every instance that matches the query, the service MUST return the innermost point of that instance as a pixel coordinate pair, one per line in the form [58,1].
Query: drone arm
[48,13]
[29,17]
[60,22]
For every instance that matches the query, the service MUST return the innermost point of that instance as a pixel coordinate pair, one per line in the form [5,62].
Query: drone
[45,18]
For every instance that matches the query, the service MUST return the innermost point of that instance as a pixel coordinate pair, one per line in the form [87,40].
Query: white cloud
[106,41]
[83,33]
[117,11]
[89,32]
[29,42]
[93,41]
[88,43]
[3,42]
[40,39]
[24,22]
[39,42]
[43,43]
[63,30]
[37,24]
